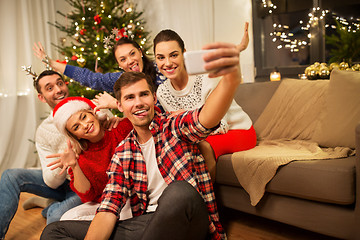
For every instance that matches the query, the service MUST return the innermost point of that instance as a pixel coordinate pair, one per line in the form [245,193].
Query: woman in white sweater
[181,91]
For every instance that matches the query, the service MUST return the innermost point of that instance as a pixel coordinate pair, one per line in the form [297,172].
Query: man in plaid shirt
[159,167]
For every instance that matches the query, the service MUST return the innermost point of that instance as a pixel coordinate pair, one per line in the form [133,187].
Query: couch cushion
[331,181]
[293,111]
[253,97]
[342,111]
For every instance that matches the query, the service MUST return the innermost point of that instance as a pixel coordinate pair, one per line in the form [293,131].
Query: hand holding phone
[194,61]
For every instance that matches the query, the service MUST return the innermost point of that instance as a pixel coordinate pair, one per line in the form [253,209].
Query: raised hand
[64,160]
[223,61]
[39,51]
[112,123]
[105,101]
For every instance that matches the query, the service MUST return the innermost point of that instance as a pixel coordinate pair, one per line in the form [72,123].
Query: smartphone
[194,61]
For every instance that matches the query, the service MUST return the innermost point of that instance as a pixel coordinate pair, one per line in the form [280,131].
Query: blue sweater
[103,81]
[100,81]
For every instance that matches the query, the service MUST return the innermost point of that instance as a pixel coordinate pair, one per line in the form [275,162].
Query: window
[290,35]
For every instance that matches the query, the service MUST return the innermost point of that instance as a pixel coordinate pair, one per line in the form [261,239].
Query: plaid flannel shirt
[178,158]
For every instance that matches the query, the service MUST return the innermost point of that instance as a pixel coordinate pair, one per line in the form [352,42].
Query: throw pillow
[342,111]
[294,110]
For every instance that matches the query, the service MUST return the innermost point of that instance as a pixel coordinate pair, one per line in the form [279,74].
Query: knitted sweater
[194,96]
[95,160]
[50,141]
[101,81]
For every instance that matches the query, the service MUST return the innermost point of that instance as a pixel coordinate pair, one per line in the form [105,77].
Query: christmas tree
[92,27]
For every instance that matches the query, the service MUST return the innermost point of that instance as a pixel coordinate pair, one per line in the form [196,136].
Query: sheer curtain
[23,23]
[192,20]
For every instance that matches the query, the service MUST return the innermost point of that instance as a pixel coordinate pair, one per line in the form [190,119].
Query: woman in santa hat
[90,149]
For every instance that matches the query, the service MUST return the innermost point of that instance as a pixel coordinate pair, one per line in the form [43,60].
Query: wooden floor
[239,226]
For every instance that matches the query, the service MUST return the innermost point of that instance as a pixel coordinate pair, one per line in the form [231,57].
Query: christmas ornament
[333,66]
[324,72]
[115,36]
[343,65]
[356,67]
[81,61]
[130,27]
[310,72]
[82,31]
[312,75]
[97,19]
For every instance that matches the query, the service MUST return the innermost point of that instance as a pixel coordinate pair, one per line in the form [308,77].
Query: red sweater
[95,160]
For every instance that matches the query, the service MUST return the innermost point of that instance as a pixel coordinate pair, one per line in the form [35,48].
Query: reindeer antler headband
[29,72]
[35,76]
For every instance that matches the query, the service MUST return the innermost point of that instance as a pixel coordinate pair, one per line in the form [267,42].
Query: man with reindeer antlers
[43,182]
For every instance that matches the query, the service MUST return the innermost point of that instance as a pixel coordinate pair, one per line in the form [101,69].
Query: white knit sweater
[194,96]
[50,141]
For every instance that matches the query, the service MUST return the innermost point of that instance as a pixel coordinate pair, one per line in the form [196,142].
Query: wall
[229,19]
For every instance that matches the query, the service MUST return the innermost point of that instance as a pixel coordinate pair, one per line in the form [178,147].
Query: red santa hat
[67,107]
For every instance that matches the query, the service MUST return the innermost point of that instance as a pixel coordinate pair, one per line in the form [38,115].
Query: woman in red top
[90,146]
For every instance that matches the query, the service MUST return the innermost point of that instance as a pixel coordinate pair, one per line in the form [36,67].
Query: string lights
[285,38]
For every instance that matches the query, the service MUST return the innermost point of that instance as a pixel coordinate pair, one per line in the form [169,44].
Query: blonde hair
[80,145]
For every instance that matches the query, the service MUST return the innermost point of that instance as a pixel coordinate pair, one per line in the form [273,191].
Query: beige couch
[318,195]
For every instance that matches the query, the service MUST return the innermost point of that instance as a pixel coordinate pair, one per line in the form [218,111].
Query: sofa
[323,195]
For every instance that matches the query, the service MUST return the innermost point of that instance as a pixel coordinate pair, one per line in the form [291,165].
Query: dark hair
[168,35]
[128,78]
[149,68]
[43,74]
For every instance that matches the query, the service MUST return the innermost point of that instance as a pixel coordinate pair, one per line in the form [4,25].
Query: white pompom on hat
[67,107]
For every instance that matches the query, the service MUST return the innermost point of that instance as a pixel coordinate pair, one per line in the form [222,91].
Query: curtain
[23,23]
[192,20]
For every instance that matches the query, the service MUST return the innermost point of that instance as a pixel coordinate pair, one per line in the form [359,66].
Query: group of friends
[150,174]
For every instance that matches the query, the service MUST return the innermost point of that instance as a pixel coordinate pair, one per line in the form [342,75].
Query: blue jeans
[15,181]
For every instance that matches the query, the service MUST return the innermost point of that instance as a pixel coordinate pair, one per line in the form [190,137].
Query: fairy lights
[268,5]
[287,39]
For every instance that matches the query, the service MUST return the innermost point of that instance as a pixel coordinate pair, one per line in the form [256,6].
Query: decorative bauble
[356,67]
[97,19]
[343,65]
[323,64]
[81,61]
[82,31]
[324,72]
[307,70]
[333,66]
[311,74]
[130,26]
